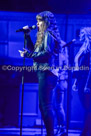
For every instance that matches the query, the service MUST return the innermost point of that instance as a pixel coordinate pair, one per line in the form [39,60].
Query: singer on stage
[83,77]
[45,54]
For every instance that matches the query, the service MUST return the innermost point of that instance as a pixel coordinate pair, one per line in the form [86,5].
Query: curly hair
[87,40]
[50,25]
[86,46]
[87,31]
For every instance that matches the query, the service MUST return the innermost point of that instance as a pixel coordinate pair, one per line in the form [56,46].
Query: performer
[83,76]
[60,89]
[45,55]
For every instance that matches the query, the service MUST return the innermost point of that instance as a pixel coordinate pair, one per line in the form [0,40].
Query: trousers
[47,82]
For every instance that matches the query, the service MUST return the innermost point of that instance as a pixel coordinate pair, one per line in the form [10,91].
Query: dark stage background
[58,6]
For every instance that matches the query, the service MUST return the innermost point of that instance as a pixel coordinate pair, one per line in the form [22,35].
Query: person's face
[82,35]
[40,25]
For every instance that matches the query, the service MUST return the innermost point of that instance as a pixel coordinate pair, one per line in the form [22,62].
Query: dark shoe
[61,132]
[64,134]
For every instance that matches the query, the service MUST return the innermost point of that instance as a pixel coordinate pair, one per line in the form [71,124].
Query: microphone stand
[22,96]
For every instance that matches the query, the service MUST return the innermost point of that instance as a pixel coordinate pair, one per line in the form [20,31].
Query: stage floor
[31,132]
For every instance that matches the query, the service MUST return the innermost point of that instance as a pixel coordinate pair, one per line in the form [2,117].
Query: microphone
[26,29]
[69,43]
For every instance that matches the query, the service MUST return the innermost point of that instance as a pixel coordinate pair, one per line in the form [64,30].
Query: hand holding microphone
[26,29]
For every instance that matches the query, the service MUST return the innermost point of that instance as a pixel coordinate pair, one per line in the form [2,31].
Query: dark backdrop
[56,6]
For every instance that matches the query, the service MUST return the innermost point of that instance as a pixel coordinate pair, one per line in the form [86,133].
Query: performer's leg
[59,98]
[46,85]
[59,109]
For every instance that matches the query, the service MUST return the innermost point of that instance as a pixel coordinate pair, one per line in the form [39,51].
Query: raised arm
[29,42]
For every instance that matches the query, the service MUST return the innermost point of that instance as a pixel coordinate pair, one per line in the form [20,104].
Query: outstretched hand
[22,53]
[74,86]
